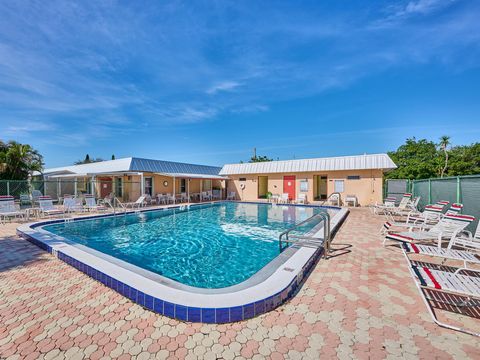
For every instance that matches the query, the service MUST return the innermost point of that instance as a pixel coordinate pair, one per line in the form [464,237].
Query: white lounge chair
[335,200]
[36,194]
[301,198]
[8,209]
[430,216]
[91,205]
[448,227]
[72,205]
[389,207]
[47,208]
[447,284]
[136,204]
[463,247]
[231,195]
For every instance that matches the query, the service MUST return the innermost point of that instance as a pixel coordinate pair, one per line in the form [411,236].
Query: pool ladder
[309,241]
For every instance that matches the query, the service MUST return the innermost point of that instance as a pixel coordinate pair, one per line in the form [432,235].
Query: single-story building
[128,178]
[318,178]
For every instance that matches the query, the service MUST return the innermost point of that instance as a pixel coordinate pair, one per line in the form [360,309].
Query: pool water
[207,246]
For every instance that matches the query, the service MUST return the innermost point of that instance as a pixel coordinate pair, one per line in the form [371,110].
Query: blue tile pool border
[179,311]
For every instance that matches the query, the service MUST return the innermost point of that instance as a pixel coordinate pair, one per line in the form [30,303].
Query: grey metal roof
[357,162]
[135,164]
[169,167]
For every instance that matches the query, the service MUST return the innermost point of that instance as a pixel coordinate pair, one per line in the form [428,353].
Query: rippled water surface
[208,246]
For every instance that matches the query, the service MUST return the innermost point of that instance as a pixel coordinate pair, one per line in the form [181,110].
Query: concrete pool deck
[361,303]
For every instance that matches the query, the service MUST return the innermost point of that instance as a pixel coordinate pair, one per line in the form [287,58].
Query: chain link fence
[25,190]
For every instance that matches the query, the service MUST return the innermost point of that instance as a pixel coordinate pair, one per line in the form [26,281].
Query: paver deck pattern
[360,304]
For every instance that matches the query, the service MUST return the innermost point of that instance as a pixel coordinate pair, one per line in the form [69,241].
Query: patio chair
[72,205]
[231,195]
[150,199]
[91,205]
[284,198]
[455,208]
[216,194]
[25,199]
[183,197]
[468,252]
[351,199]
[448,227]
[430,216]
[36,194]
[170,199]
[452,288]
[411,205]
[206,196]
[136,204]
[161,199]
[8,209]
[47,208]
[301,198]
[389,207]
[334,199]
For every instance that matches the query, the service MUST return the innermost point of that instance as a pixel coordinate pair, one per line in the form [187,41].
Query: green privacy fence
[461,189]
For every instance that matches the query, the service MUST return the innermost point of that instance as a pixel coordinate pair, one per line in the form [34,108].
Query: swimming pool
[211,263]
[209,246]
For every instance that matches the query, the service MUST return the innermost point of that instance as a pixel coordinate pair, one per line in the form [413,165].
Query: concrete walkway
[361,303]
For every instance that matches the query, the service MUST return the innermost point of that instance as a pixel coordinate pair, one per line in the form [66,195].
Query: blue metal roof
[169,167]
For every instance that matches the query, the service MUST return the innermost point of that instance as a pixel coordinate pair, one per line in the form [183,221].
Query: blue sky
[206,82]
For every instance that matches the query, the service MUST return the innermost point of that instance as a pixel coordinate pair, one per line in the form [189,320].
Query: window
[207,185]
[149,186]
[304,185]
[243,179]
[339,186]
[183,185]
[353,177]
[118,187]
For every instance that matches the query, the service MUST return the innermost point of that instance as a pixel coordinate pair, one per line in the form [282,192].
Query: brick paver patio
[361,304]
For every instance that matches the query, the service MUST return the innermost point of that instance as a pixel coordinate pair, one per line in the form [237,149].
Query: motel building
[360,176]
[129,178]
[317,179]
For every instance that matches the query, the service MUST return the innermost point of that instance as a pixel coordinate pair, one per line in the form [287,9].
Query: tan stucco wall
[368,189]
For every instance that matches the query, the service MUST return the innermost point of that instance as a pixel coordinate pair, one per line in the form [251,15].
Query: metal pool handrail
[309,240]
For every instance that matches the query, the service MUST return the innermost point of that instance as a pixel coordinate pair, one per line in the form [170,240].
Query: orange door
[289,186]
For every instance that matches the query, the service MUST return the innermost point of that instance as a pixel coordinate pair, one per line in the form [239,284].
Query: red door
[105,186]
[289,186]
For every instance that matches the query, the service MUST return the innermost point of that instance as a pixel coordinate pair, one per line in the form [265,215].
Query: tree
[416,159]
[423,159]
[18,161]
[260,158]
[444,142]
[87,160]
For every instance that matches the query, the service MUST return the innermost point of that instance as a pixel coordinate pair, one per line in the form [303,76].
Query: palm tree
[18,161]
[444,142]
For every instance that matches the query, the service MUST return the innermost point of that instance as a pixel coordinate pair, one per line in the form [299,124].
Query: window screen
[339,186]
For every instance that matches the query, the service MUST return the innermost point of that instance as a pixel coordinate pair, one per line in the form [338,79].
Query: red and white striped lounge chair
[456,208]
[91,205]
[448,227]
[449,254]
[8,209]
[430,216]
[448,283]
[47,208]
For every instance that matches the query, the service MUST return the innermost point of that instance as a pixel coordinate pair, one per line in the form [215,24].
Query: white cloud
[223,86]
